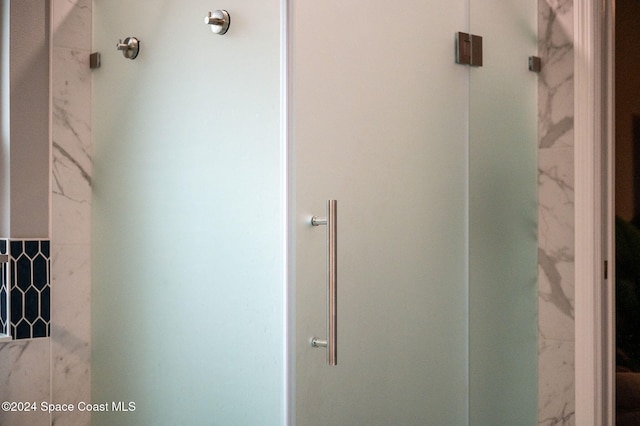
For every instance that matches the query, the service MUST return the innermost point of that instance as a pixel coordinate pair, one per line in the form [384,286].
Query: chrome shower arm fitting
[130,48]
[219,21]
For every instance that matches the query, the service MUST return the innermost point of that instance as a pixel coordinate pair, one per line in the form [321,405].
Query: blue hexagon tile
[27,276]
[4,307]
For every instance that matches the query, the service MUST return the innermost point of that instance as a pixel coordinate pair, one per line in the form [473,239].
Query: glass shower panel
[187,297]
[380,126]
[502,216]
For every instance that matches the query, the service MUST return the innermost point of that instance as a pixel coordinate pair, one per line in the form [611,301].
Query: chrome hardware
[317,220]
[130,48]
[317,343]
[219,21]
[331,221]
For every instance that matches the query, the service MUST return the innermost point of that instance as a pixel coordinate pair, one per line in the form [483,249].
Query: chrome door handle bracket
[331,221]
[318,343]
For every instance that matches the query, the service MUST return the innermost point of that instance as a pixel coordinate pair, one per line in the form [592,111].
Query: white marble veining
[70,21]
[25,376]
[70,331]
[71,208]
[556,362]
[555,252]
[71,270]
[556,375]
[71,94]
[71,165]
[556,199]
[555,83]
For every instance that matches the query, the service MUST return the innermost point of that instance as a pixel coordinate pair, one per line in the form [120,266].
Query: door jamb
[594,197]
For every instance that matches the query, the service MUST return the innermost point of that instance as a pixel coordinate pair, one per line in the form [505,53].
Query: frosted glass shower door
[188,226]
[503,177]
[379,114]
[433,167]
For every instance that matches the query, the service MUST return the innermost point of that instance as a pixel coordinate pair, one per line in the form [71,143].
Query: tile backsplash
[27,278]
[4,306]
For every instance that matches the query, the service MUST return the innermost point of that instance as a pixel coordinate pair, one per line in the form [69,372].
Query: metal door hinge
[468,49]
[94,60]
[535,63]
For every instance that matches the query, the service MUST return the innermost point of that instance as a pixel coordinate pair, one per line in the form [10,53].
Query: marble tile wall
[71,207]
[556,393]
[25,377]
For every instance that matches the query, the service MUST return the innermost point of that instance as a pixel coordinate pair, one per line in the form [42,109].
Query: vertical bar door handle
[331,221]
